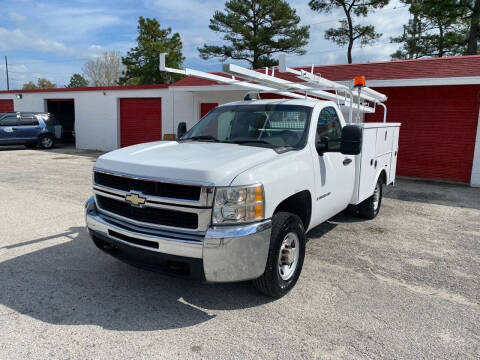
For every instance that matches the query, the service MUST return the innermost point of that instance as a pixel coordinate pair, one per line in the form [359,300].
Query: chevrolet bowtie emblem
[135,199]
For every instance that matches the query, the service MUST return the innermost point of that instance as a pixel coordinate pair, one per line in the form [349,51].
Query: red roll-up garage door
[205,108]
[437,137]
[140,120]
[6,106]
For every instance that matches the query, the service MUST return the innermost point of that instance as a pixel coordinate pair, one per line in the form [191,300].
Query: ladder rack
[313,86]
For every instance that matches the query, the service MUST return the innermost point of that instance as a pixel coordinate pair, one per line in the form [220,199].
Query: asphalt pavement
[403,286]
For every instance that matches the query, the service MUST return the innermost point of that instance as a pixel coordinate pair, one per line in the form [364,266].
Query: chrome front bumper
[228,253]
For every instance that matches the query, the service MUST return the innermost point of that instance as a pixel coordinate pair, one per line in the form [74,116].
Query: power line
[354,47]
[52,61]
[344,18]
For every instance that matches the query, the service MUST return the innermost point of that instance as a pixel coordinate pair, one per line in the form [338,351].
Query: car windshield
[256,125]
[49,119]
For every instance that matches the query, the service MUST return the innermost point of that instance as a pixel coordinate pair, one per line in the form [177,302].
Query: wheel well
[299,204]
[383,177]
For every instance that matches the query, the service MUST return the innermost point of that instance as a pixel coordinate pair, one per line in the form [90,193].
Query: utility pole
[6,70]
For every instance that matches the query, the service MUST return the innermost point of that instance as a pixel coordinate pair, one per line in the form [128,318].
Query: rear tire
[370,207]
[47,142]
[285,256]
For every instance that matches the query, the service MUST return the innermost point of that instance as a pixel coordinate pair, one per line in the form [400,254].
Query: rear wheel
[370,207]
[47,142]
[285,257]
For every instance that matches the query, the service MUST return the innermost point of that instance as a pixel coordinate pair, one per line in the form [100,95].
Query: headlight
[238,204]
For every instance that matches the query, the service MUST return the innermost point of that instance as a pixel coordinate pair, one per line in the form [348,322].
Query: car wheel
[370,207]
[285,256]
[47,142]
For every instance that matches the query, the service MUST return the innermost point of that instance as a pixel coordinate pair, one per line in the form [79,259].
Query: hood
[197,162]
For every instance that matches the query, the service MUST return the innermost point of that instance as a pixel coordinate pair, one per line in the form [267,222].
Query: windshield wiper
[252,142]
[203,137]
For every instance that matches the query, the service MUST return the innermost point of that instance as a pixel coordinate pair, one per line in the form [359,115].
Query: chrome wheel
[288,256]
[47,142]
[376,197]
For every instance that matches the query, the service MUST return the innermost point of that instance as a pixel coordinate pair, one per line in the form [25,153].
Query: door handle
[347,161]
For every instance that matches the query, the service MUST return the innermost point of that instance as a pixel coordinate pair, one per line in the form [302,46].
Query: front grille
[148,214]
[132,240]
[147,187]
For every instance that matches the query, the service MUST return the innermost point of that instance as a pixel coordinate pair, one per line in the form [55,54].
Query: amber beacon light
[359,81]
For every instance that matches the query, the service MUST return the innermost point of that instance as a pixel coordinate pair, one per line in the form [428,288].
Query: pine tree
[348,32]
[142,61]
[255,30]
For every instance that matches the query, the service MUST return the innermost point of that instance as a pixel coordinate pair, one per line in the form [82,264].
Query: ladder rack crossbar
[313,86]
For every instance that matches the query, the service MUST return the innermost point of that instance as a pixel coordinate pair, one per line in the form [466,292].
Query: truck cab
[233,198]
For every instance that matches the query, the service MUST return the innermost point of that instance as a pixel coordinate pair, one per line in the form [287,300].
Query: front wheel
[47,142]
[370,207]
[285,256]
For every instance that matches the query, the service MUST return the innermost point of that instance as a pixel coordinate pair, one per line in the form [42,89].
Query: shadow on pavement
[423,191]
[60,149]
[73,283]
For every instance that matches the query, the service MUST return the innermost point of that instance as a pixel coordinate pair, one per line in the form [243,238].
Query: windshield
[257,125]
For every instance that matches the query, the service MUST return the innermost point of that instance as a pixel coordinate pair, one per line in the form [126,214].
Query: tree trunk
[349,51]
[350,33]
[472,47]
[440,41]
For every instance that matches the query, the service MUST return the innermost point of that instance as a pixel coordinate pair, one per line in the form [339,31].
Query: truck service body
[232,199]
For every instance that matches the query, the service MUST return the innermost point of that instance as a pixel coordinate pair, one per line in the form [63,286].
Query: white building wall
[188,102]
[97,115]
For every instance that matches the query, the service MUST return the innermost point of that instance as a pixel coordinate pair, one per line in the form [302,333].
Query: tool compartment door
[367,170]
[393,163]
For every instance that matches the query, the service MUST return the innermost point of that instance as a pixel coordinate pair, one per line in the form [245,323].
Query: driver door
[335,176]
[9,129]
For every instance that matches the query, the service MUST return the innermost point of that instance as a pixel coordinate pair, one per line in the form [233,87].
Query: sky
[54,38]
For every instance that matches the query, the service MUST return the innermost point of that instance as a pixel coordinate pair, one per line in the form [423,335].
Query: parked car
[31,129]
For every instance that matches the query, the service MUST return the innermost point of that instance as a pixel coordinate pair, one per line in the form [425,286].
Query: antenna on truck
[313,86]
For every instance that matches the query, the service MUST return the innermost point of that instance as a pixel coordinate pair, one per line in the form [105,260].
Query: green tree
[42,83]
[348,32]
[29,86]
[436,30]
[254,30]
[142,62]
[472,18]
[77,80]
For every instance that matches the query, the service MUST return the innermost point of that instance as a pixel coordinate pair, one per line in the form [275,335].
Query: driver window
[329,127]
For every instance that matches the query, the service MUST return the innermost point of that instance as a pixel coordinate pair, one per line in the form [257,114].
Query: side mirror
[351,140]
[181,129]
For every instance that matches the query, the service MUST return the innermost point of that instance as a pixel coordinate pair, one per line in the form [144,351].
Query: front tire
[370,207]
[47,142]
[285,256]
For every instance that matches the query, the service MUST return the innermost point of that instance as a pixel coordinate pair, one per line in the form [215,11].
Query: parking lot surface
[403,286]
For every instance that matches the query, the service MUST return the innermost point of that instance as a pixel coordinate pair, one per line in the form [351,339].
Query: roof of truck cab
[298,102]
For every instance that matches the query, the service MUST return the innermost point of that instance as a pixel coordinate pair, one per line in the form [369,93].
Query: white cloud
[197,12]
[17,39]
[13,15]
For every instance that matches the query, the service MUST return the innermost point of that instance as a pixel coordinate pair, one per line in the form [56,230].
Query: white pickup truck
[233,198]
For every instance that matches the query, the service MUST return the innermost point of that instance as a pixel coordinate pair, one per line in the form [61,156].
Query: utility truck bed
[379,152]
